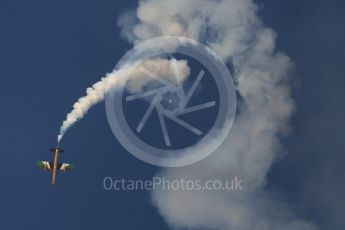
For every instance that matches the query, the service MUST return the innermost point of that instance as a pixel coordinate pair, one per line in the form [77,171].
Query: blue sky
[50,52]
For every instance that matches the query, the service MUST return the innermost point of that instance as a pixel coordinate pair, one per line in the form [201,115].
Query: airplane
[55,166]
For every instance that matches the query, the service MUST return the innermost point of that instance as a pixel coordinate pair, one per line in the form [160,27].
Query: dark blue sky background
[51,51]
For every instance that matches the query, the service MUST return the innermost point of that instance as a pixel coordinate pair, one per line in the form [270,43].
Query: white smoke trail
[233,30]
[136,80]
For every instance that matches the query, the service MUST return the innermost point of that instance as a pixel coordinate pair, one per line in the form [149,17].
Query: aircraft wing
[65,166]
[45,165]
[50,165]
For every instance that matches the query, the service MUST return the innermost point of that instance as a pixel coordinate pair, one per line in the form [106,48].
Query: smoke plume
[233,29]
[132,75]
